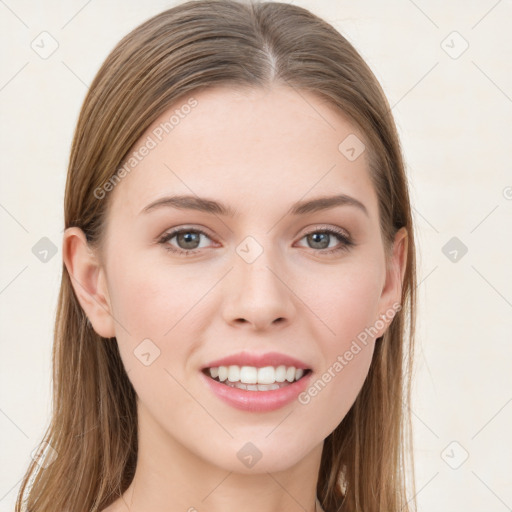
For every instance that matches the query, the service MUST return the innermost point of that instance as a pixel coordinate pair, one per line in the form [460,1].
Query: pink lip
[257,401]
[257,360]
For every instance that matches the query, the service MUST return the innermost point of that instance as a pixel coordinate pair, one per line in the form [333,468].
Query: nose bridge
[257,293]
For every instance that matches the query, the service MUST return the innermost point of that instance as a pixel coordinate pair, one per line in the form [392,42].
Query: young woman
[236,317]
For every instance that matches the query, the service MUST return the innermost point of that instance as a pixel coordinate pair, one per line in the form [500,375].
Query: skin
[258,151]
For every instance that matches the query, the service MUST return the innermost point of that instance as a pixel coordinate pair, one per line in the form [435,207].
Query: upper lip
[258,360]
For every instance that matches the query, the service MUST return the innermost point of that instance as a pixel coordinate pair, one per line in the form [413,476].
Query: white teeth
[234,373]
[255,387]
[254,377]
[290,374]
[280,373]
[223,373]
[248,374]
[266,375]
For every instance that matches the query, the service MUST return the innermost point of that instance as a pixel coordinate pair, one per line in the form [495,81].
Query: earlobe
[88,281]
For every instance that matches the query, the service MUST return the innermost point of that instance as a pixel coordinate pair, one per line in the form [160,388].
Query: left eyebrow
[218,208]
[324,203]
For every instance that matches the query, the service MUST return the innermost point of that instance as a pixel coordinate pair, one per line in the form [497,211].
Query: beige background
[454,114]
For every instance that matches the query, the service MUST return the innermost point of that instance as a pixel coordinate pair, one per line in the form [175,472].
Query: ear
[391,295]
[88,280]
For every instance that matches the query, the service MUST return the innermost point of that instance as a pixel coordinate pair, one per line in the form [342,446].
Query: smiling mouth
[251,378]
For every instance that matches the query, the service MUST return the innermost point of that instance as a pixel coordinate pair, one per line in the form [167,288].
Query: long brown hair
[91,441]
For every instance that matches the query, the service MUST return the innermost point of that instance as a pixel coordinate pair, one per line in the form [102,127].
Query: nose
[258,294]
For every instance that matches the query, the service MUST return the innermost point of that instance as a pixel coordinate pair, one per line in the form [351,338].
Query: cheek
[156,310]
[170,307]
[345,299]
[155,300]
[346,302]
[156,307]
[333,391]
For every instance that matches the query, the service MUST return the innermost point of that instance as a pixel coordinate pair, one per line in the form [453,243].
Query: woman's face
[256,279]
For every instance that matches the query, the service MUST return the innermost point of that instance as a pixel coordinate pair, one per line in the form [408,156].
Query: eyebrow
[188,202]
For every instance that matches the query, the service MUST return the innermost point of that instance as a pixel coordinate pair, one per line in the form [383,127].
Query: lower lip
[258,401]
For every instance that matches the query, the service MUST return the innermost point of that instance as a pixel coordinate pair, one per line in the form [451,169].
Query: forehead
[274,146]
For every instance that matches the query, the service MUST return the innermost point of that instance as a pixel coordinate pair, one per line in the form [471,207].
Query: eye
[321,239]
[188,240]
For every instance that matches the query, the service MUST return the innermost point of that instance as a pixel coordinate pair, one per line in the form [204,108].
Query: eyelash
[346,242]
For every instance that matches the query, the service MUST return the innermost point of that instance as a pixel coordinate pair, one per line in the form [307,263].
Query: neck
[169,477]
